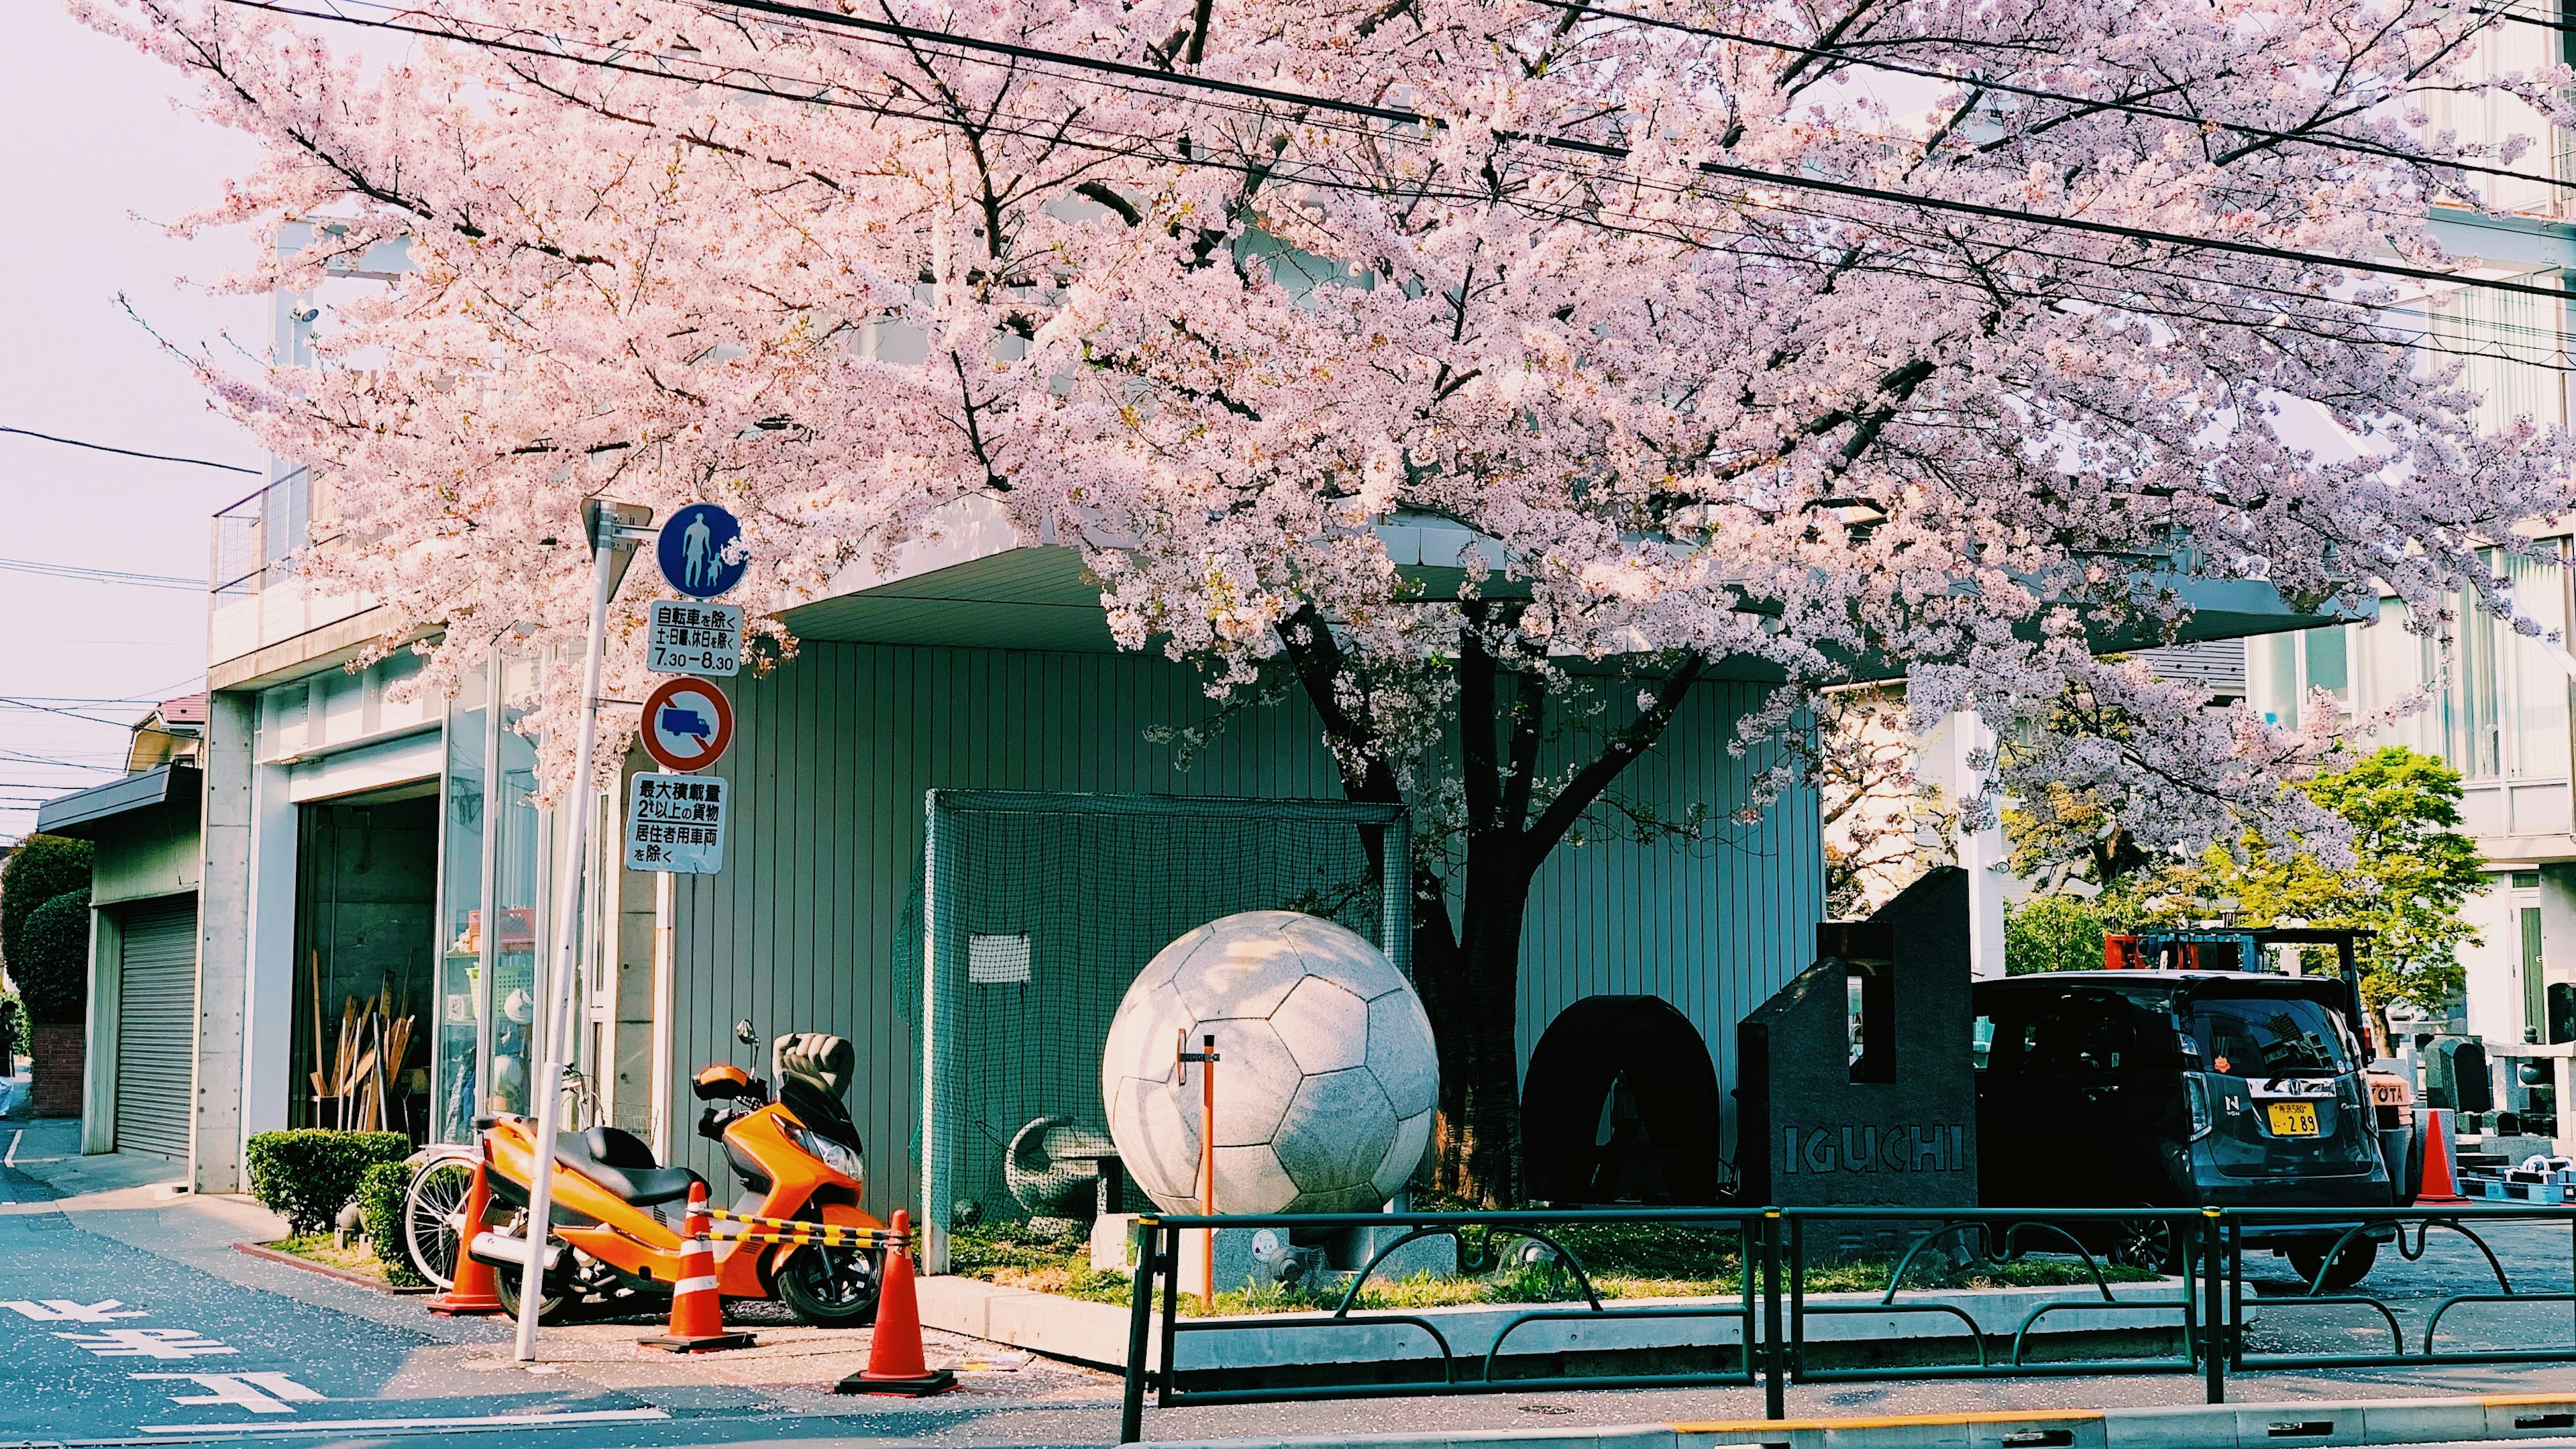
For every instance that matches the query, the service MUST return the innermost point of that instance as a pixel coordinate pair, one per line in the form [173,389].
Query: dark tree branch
[1623,749]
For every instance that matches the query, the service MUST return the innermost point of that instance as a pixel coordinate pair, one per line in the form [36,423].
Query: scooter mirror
[743,1033]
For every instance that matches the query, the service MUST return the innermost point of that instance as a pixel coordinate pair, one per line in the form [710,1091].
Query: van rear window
[2259,1036]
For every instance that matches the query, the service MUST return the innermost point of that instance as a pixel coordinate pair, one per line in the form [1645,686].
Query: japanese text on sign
[685,636]
[676,823]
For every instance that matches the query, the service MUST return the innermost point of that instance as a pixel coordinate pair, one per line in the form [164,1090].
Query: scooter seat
[621,1163]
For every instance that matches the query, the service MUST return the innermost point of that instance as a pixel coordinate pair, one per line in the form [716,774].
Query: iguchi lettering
[1895,1147]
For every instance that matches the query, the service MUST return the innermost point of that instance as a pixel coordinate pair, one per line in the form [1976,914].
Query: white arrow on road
[63,1310]
[149,1343]
[261,1393]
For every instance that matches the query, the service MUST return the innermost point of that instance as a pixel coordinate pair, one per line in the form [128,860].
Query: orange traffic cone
[472,1289]
[2441,1168]
[895,1364]
[697,1310]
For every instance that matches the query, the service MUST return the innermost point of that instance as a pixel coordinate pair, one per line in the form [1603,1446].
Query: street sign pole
[613,530]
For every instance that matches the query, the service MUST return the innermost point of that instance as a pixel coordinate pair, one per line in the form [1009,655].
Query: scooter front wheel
[832,1287]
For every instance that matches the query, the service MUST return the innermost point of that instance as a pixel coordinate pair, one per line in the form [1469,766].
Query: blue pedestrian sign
[692,551]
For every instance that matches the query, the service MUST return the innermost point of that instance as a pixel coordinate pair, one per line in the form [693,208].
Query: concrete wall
[223,943]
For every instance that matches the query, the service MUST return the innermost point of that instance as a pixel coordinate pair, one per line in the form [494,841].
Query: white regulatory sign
[690,636]
[676,823]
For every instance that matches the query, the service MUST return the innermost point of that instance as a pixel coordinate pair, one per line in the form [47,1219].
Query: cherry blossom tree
[1795,343]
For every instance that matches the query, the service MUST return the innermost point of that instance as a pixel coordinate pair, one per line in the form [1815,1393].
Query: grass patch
[1625,1261]
[322,1248]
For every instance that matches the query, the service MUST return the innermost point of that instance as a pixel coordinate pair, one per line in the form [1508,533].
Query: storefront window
[518,854]
[462,1008]
[493,875]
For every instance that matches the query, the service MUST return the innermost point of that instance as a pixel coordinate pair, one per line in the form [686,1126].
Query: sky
[100,160]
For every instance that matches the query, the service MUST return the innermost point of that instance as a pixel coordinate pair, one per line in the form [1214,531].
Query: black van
[2180,1089]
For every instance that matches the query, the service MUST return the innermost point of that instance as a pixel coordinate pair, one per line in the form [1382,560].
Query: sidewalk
[133,1197]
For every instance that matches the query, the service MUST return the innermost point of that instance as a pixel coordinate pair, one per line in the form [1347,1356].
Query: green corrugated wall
[835,751]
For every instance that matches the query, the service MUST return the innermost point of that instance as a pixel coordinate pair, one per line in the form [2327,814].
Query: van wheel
[2346,1272]
[2145,1243]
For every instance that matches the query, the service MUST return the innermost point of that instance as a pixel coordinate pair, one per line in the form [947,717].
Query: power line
[1753,175]
[128,452]
[2107,294]
[2330,141]
[1606,150]
[102,576]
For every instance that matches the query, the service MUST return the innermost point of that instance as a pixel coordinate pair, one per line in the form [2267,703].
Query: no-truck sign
[688,724]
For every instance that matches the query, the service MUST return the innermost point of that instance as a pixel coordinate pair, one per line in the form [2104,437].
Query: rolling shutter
[156,1017]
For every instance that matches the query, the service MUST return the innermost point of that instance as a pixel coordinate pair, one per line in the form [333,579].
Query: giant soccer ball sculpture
[1326,1079]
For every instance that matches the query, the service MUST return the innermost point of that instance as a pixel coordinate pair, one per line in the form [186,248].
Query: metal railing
[2468,1225]
[2199,1305]
[257,535]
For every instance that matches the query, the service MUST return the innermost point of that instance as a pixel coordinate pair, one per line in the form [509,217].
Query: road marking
[149,1343]
[11,1161]
[63,1310]
[261,1393]
[363,1426]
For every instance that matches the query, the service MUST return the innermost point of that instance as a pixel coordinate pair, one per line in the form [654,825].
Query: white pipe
[547,1084]
[1979,851]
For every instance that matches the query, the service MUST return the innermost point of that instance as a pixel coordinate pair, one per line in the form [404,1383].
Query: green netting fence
[1035,911]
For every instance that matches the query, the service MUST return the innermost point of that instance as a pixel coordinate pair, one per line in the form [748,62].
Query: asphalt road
[132,1326]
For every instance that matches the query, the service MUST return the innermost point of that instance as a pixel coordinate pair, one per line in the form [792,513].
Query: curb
[2290,1425]
[271,1255]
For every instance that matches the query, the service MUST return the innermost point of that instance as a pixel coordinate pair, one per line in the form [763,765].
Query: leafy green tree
[41,868]
[2410,871]
[2057,933]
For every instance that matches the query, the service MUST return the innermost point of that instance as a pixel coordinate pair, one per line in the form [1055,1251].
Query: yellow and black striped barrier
[750,1229]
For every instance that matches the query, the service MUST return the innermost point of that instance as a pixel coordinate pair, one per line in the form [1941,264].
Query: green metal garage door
[156,1015]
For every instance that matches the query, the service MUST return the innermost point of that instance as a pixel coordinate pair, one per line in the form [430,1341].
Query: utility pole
[614,529]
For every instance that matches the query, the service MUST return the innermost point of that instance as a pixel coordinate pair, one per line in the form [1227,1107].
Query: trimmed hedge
[380,1204]
[41,868]
[51,959]
[309,1174]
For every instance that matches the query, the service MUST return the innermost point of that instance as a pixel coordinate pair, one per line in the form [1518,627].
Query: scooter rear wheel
[832,1287]
[551,1309]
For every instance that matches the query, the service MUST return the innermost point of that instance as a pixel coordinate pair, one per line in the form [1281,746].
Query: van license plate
[2292,1119]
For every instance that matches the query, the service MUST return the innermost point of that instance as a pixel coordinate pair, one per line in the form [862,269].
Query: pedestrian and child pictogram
[692,551]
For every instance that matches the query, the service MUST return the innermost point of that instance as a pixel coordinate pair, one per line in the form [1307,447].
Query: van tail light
[2195,1087]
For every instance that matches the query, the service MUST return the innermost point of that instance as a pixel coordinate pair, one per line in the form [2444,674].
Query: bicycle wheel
[434,1215]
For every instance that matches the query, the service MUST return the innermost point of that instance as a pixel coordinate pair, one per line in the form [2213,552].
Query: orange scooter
[618,1214]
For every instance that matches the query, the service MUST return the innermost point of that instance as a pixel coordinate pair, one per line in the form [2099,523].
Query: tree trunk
[1469,975]
[1487,1168]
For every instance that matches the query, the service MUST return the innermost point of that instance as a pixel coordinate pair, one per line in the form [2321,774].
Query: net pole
[934,1176]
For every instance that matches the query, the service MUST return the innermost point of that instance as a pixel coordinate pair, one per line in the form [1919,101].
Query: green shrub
[380,1204]
[41,868]
[2055,933]
[51,959]
[310,1174]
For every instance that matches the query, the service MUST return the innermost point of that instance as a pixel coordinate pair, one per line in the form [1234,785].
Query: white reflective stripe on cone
[696,1285]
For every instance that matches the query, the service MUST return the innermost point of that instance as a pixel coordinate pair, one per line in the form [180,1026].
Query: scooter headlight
[831,1154]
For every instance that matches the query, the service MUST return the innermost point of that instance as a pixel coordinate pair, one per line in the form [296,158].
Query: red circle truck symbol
[688,724]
